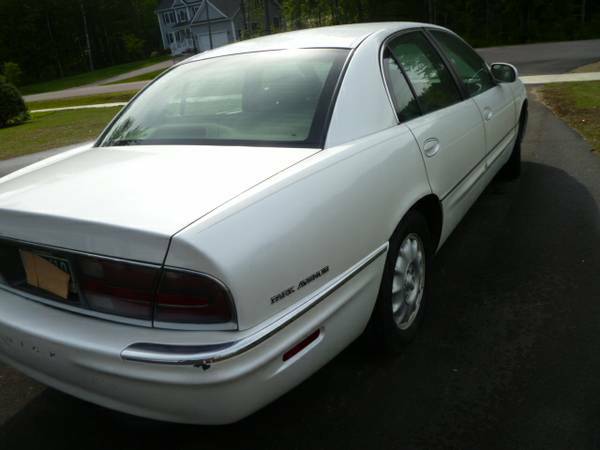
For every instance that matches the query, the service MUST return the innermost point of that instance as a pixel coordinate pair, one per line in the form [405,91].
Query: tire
[512,168]
[391,328]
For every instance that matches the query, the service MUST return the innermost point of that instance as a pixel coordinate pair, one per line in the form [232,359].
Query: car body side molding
[205,355]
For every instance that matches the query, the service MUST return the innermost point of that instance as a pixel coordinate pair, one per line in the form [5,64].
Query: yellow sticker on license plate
[46,275]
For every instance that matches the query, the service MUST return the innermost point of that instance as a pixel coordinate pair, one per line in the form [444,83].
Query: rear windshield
[275,98]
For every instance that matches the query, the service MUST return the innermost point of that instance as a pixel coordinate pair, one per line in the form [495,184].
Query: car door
[494,100]
[447,127]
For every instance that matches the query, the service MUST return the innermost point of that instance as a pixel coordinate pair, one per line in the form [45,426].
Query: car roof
[339,36]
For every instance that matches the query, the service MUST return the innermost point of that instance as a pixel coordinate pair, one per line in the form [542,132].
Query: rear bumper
[232,375]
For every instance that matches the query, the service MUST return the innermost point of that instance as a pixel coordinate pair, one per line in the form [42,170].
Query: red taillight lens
[119,288]
[134,291]
[187,297]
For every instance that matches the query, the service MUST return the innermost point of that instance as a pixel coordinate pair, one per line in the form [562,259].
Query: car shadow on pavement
[508,355]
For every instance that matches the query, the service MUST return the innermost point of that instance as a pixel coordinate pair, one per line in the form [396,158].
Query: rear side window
[402,96]
[469,66]
[433,84]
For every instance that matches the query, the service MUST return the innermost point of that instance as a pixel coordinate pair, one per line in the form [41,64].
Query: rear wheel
[403,290]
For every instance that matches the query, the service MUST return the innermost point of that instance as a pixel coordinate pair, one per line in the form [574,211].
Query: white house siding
[221,34]
[193,31]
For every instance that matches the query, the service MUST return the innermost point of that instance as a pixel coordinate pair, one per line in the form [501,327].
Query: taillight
[188,297]
[118,288]
[141,292]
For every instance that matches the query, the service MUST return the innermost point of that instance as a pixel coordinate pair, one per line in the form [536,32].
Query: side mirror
[504,73]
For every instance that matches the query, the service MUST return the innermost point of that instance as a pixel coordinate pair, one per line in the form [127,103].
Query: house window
[170,38]
[181,15]
[166,18]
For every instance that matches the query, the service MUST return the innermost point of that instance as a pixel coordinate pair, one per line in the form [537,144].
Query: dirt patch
[594,67]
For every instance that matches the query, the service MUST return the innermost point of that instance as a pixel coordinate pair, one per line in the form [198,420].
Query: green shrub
[133,45]
[12,73]
[12,107]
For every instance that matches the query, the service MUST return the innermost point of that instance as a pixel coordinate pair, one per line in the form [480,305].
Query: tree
[48,40]
[12,73]
[481,22]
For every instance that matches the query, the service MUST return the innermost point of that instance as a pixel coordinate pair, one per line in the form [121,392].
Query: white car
[248,214]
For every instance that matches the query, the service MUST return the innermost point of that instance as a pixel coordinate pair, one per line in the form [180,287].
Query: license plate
[62,264]
[48,273]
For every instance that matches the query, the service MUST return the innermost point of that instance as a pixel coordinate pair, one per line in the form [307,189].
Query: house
[193,26]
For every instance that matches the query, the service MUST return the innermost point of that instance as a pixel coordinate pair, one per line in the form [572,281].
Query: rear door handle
[431,146]
[488,114]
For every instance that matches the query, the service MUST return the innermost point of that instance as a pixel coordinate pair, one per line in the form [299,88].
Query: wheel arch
[430,207]
[524,113]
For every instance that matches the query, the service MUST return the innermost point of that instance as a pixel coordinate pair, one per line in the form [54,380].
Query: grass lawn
[144,77]
[578,104]
[89,77]
[53,129]
[85,100]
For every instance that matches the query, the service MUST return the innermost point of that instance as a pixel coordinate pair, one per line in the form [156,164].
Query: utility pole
[87,37]
[244,18]
[209,25]
[430,10]
[267,17]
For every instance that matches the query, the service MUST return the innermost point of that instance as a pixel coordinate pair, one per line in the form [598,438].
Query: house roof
[227,7]
[167,4]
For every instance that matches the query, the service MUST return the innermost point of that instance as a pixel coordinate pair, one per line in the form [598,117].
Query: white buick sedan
[248,215]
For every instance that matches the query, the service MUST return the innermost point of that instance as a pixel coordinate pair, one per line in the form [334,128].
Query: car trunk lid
[126,202]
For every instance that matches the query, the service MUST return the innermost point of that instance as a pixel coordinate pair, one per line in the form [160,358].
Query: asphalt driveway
[509,356]
[547,57]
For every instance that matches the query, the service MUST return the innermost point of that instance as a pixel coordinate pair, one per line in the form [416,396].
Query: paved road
[508,357]
[10,165]
[532,59]
[545,58]
[134,73]
[100,87]
[86,90]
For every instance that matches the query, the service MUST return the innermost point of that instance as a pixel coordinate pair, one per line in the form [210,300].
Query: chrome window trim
[206,355]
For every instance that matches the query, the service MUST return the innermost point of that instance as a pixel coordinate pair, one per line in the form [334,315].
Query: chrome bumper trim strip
[205,355]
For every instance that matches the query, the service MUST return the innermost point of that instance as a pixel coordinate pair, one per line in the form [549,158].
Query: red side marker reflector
[301,345]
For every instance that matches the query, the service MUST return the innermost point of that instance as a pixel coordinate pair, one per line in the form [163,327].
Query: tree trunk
[210,39]
[61,72]
[87,37]
[244,18]
[267,17]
